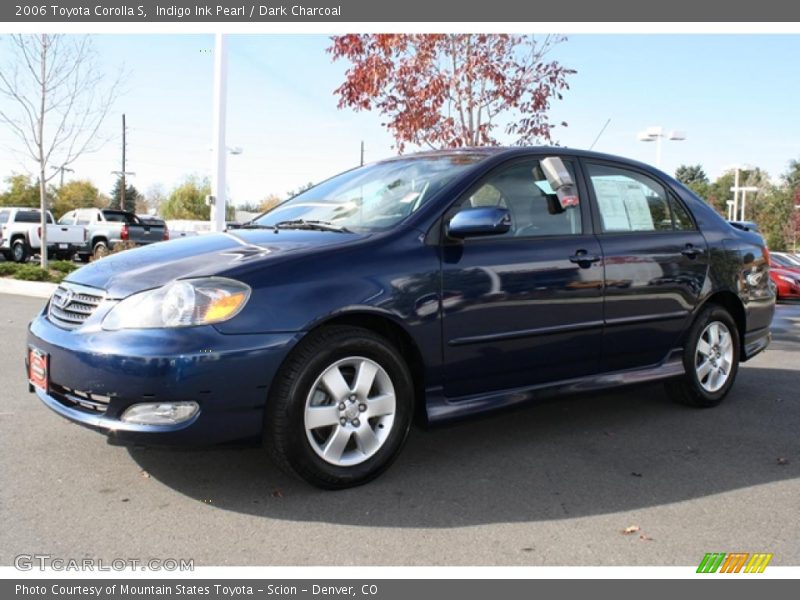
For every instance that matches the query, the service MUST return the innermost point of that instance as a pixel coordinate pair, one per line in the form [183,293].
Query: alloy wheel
[349,411]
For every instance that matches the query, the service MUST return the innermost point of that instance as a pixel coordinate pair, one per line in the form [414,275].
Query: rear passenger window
[522,188]
[27,216]
[683,222]
[629,201]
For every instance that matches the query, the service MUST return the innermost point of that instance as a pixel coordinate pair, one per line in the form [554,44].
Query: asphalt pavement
[553,484]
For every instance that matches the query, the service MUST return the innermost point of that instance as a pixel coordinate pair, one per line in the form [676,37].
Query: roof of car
[511,151]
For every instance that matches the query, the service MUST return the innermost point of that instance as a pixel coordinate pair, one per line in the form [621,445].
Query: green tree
[774,217]
[792,176]
[188,200]
[22,191]
[776,212]
[131,196]
[720,192]
[687,174]
[78,193]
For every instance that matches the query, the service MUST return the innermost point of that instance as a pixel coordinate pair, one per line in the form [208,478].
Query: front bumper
[227,375]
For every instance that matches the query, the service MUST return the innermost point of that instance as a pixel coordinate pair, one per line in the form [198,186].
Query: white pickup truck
[21,235]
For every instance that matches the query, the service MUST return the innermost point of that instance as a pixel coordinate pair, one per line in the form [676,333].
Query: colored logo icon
[734,562]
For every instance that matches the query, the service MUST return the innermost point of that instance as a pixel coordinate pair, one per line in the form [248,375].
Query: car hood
[155,265]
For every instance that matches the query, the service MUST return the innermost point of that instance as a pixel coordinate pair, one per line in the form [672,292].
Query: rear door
[655,260]
[524,307]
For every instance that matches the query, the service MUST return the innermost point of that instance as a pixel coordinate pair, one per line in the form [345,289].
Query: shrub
[31,273]
[63,266]
[8,269]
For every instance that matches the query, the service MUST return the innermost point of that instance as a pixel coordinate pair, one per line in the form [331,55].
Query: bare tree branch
[56,102]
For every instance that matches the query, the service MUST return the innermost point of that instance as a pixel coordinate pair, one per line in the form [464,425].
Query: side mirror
[471,222]
[561,181]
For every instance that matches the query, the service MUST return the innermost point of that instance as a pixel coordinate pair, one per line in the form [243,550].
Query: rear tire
[710,359]
[20,251]
[340,408]
[100,250]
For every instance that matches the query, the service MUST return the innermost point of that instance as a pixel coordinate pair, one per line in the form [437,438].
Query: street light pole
[737,209]
[219,149]
[656,134]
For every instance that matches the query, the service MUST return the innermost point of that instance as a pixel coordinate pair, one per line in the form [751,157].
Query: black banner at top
[441,11]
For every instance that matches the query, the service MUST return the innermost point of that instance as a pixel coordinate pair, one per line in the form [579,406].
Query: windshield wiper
[304,224]
[256,226]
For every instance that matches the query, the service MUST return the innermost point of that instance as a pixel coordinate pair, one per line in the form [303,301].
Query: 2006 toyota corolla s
[447,283]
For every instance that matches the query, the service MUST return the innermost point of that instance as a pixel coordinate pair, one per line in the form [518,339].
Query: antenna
[601,133]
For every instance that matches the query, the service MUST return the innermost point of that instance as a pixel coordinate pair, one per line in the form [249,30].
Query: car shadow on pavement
[573,457]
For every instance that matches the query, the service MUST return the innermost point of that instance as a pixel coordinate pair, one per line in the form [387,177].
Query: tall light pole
[736,188]
[218,147]
[744,190]
[656,134]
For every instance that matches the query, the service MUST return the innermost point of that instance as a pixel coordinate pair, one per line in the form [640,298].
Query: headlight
[183,303]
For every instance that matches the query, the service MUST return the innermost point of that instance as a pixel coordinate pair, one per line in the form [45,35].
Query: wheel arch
[733,304]
[388,328]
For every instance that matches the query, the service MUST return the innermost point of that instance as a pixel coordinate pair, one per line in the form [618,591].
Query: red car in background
[785,274]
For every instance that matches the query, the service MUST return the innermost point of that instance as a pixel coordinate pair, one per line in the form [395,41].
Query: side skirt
[441,409]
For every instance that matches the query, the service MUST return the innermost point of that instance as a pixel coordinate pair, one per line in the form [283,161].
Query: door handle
[581,257]
[691,251]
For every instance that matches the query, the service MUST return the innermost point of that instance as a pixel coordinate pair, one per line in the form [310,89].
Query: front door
[524,307]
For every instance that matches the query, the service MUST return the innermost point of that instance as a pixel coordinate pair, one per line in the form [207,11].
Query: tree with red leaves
[453,90]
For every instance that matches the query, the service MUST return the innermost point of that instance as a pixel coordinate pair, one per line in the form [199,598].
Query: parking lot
[553,484]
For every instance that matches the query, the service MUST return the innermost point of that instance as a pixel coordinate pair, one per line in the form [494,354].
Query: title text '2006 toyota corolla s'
[447,284]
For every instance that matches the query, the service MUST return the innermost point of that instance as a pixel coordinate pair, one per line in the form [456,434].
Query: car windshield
[373,197]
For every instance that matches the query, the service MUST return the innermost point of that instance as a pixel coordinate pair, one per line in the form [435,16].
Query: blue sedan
[441,285]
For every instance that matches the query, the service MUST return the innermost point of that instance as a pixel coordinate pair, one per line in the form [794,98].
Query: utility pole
[362,153]
[123,172]
[62,169]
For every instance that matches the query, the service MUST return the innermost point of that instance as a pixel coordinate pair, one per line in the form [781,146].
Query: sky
[736,97]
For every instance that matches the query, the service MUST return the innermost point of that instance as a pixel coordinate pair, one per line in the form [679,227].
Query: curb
[34,289]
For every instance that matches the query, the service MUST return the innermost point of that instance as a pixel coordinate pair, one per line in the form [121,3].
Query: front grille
[71,305]
[88,401]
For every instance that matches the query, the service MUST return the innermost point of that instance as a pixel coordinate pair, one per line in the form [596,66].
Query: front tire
[340,408]
[710,359]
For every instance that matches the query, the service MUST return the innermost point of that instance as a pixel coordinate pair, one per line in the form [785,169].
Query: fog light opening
[160,413]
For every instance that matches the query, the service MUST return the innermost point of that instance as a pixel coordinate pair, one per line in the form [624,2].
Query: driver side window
[523,190]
